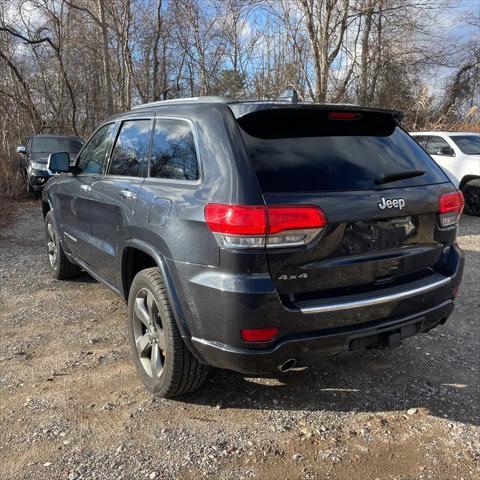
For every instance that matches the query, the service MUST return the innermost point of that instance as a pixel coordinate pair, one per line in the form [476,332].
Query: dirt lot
[71,406]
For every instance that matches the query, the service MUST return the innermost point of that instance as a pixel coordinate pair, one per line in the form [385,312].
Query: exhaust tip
[288,365]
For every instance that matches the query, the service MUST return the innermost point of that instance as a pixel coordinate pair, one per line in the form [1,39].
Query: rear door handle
[86,188]
[127,194]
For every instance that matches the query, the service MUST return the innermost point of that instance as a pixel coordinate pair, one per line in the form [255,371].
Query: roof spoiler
[241,109]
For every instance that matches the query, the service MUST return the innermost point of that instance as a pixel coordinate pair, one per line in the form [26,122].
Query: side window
[94,155]
[173,151]
[422,140]
[130,154]
[29,145]
[438,146]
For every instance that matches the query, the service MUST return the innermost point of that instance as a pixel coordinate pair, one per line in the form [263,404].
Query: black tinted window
[94,155]
[311,150]
[130,154]
[173,151]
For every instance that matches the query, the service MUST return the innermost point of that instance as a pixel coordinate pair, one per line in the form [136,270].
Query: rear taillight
[450,207]
[240,226]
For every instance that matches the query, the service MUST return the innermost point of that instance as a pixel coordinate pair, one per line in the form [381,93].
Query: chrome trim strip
[71,237]
[375,300]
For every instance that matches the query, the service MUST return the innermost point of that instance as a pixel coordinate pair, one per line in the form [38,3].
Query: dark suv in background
[257,236]
[34,156]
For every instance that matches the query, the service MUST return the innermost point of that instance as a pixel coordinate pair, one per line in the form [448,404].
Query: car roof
[243,107]
[448,134]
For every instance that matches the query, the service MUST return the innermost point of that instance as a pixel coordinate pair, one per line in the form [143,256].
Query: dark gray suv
[257,236]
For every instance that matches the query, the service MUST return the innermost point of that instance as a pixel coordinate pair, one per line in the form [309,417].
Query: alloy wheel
[472,200]
[52,246]
[149,333]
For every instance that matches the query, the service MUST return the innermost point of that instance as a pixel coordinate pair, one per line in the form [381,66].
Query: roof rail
[180,101]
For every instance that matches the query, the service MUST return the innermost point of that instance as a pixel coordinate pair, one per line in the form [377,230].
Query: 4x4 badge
[393,203]
[293,277]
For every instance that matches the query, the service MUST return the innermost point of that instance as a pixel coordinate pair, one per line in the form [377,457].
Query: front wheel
[28,186]
[30,191]
[471,192]
[163,361]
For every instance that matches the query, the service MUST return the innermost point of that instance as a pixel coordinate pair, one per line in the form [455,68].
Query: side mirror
[447,151]
[22,150]
[59,162]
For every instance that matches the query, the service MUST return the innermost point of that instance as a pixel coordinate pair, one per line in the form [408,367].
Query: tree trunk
[106,57]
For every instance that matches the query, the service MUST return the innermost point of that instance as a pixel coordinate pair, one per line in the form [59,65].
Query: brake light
[236,219]
[294,218]
[258,334]
[450,207]
[344,115]
[240,226]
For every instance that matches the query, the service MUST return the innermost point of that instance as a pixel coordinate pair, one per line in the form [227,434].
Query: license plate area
[389,338]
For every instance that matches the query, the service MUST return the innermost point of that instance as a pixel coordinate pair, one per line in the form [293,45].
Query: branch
[85,10]
[28,40]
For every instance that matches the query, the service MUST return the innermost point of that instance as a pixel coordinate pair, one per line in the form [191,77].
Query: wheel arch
[466,179]
[138,255]
[46,207]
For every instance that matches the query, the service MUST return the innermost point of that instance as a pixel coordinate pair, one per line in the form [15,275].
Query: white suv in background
[458,153]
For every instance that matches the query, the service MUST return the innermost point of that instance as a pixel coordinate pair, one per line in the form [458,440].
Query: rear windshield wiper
[392,177]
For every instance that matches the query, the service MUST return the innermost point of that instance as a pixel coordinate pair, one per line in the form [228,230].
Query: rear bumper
[307,348]
[217,305]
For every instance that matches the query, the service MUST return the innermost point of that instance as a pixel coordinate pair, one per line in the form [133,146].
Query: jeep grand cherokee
[257,236]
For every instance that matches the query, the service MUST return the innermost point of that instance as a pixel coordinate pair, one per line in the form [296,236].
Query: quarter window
[130,154]
[173,151]
[94,156]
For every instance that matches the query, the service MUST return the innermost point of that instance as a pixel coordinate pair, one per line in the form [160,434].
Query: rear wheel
[59,265]
[163,361]
[471,192]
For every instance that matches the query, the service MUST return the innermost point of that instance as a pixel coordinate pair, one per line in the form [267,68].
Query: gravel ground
[71,406]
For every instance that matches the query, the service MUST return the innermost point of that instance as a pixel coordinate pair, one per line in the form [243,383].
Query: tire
[29,187]
[35,194]
[164,363]
[59,265]
[471,192]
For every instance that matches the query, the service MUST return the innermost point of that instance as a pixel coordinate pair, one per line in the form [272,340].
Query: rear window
[310,150]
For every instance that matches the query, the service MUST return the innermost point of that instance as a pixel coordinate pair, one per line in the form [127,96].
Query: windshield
[56,144]
[314,150]
[469,144]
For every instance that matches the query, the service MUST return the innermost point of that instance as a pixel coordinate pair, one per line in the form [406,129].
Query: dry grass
[11,182]
[470,122]
[466,127]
